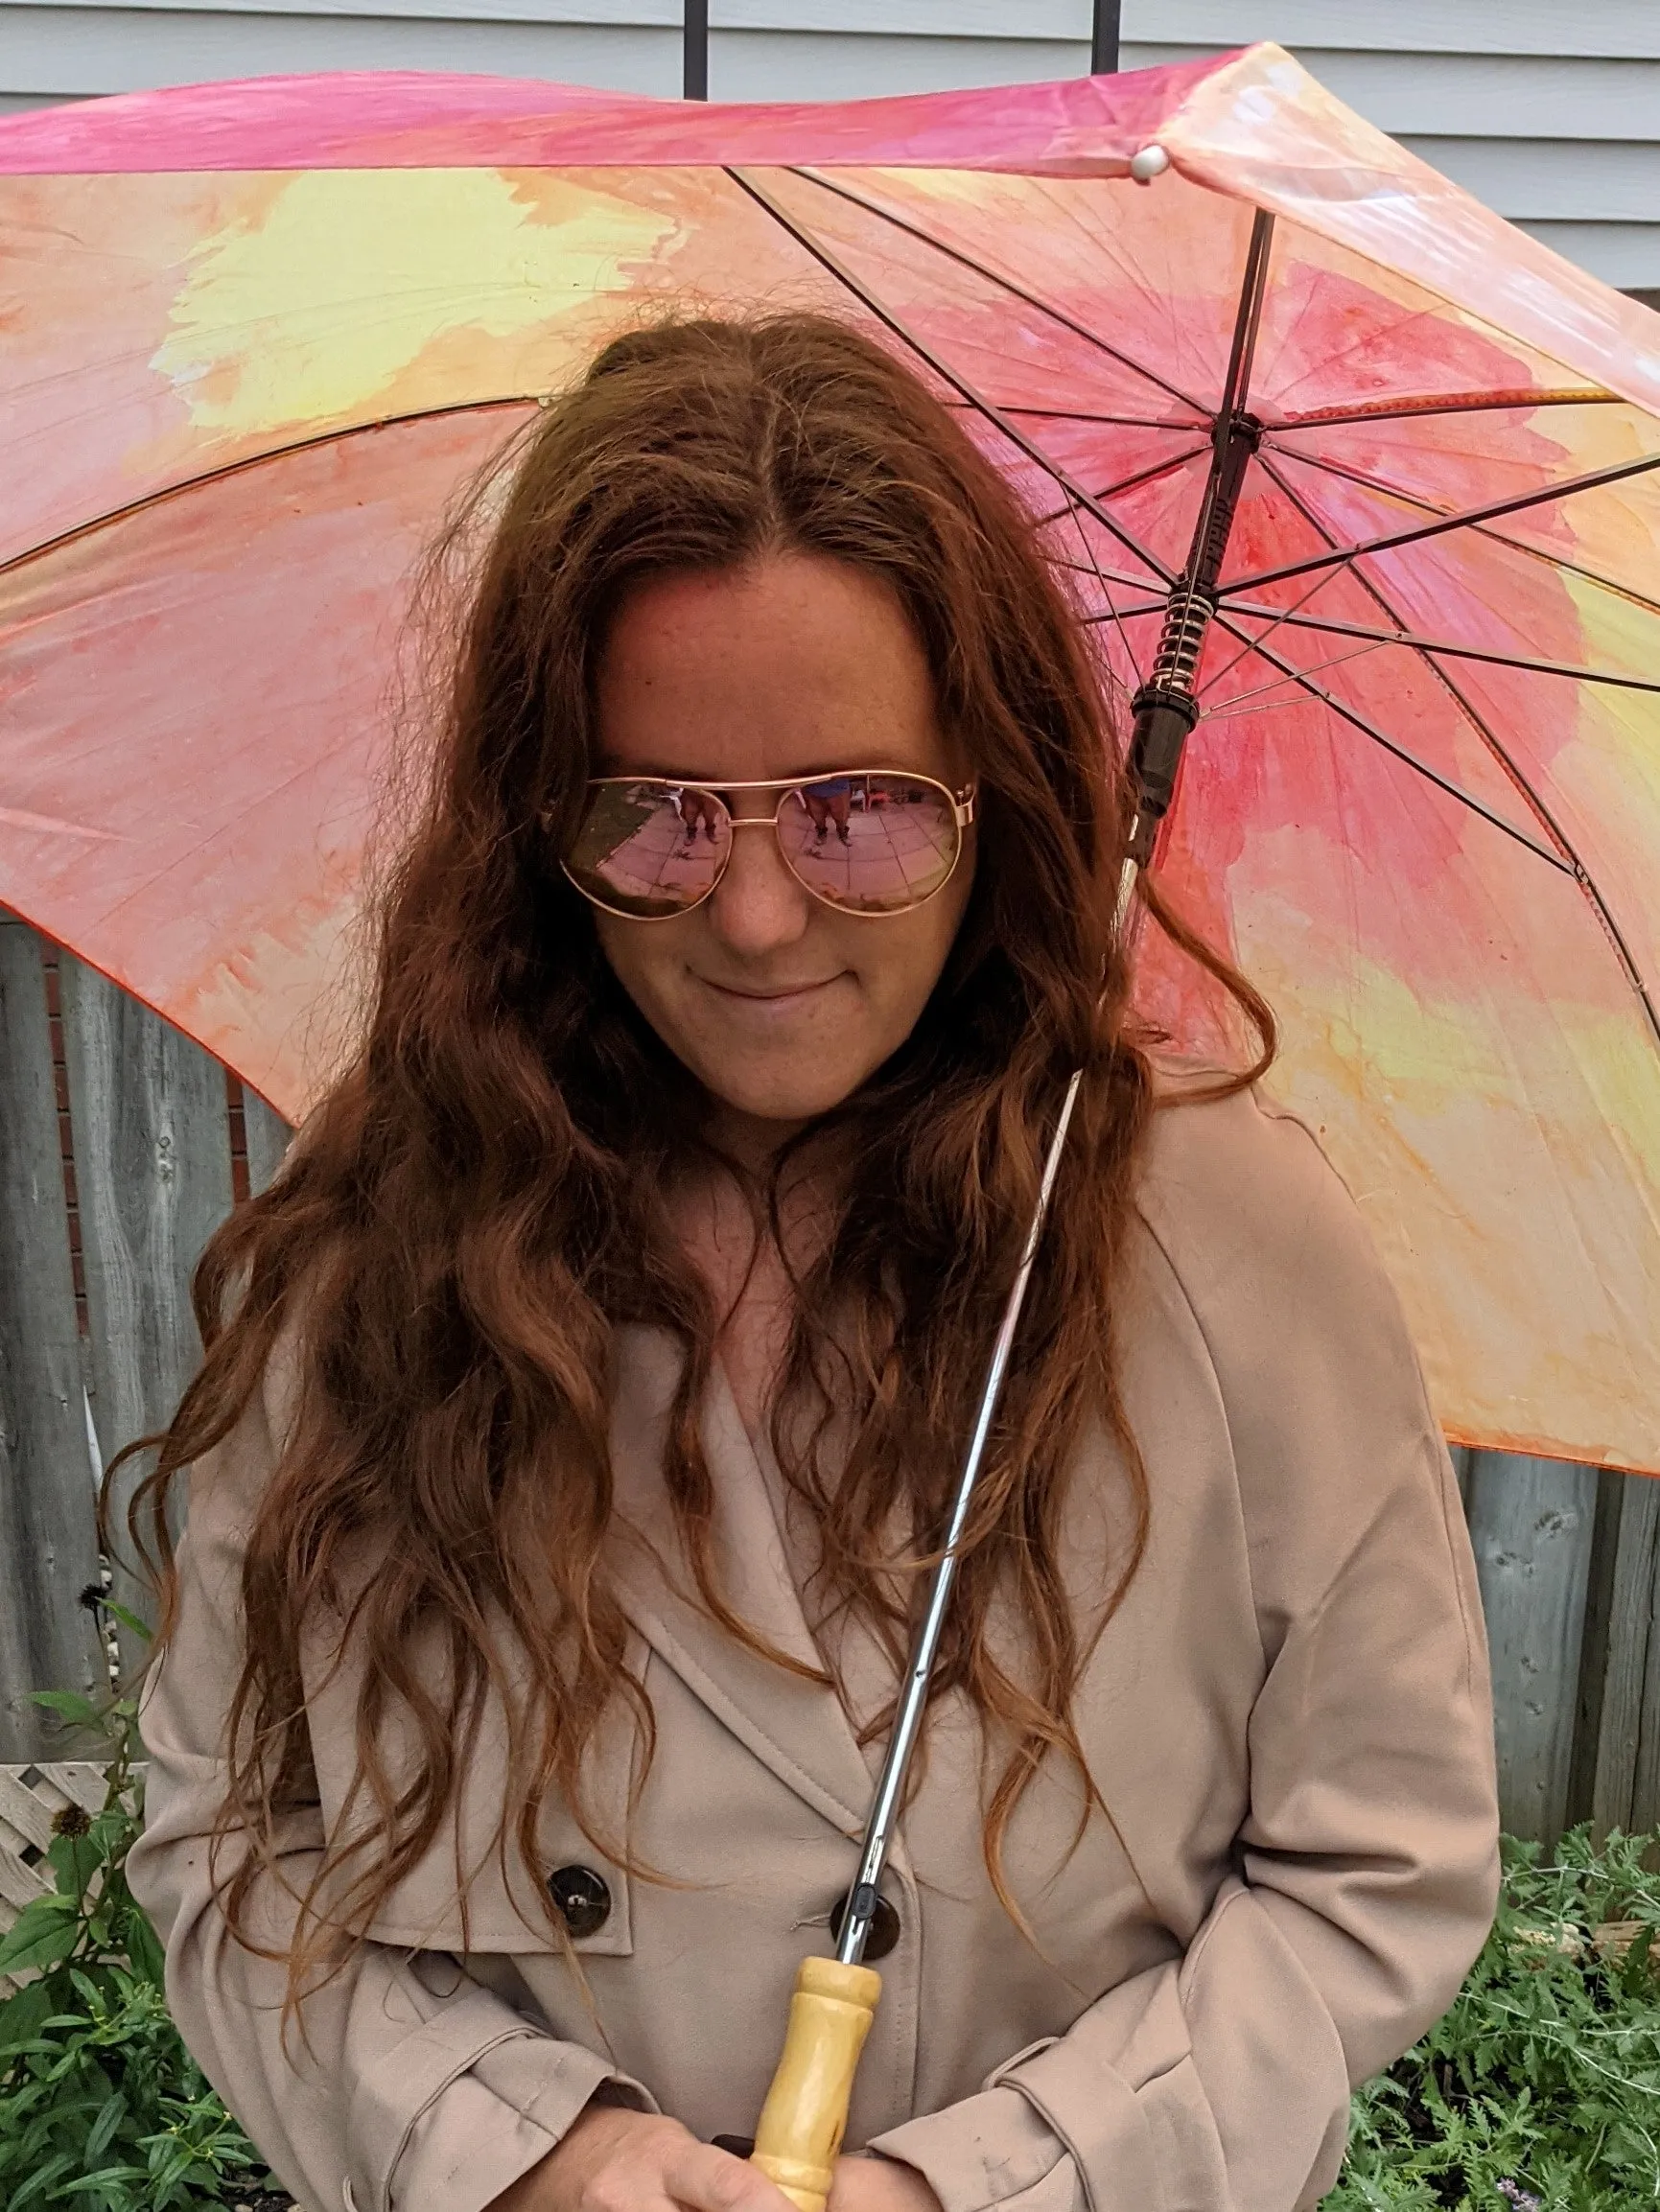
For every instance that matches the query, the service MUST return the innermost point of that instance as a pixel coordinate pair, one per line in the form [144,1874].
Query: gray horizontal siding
[1549,113]
[1475,95]
[79,50]
[1606,28]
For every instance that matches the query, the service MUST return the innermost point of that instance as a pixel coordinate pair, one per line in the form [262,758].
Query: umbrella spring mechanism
[1167,704]
[1166,710]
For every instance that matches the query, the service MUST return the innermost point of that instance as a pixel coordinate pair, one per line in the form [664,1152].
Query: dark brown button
[583,1899]
[885,1926]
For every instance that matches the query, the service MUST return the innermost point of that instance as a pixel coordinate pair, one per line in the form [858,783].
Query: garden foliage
[1541,2087]
[1539,2091]
[101,2106]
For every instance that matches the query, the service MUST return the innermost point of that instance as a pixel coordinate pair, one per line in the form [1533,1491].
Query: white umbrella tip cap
[1152,161]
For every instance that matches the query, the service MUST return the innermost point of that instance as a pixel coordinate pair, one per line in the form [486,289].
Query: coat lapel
[795,1727]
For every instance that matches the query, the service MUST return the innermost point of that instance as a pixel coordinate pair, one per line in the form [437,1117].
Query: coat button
[583,1899]
[885,1926]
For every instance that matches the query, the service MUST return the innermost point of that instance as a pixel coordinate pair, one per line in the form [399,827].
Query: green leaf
[25,2013]
[43,2177]
[42,1935]
[104,2125]
[71,1706]
[110,2174]
[143,1948]
[74,1860]
[128,1621]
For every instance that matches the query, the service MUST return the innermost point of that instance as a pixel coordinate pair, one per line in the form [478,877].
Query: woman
[579,1403]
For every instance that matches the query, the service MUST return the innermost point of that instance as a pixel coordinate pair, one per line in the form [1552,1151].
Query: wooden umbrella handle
[806,2113]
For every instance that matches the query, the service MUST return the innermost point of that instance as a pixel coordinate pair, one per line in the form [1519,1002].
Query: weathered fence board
[268,1139]
[1617,1702]
[1532,1522]
[152,1175]
[48,1547]
[1638,1750]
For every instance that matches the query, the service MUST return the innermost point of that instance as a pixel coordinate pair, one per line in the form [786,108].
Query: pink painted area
[197,720]
[1082,125]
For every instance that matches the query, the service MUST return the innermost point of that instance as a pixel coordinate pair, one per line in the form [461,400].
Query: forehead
[789,665]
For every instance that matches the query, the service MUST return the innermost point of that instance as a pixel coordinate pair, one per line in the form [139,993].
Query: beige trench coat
[1288,1718]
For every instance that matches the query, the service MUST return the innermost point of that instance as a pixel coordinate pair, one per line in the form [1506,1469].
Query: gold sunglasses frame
[962,803]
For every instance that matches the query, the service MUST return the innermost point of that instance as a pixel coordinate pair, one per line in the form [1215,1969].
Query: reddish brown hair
[481,1200]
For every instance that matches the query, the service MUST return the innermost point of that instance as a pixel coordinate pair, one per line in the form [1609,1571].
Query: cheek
[642,956]
[905,956]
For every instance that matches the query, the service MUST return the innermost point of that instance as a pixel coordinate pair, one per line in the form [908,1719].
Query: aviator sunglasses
[866,841]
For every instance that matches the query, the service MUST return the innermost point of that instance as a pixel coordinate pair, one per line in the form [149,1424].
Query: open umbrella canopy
[252,336]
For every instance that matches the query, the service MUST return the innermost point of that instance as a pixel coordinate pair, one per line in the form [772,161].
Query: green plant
[1540,2088]
[101,2106]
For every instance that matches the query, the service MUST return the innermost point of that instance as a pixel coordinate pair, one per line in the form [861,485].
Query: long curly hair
[485,1196]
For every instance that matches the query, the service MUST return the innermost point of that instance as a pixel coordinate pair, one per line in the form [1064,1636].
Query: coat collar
[795,1727]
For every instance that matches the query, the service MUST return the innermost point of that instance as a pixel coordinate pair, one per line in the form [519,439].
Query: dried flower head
[92,1596]
[70,1820]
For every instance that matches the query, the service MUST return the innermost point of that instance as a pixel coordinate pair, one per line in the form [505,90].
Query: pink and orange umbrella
[254,336]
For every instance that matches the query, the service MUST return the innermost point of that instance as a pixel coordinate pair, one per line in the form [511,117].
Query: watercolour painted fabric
[253,338]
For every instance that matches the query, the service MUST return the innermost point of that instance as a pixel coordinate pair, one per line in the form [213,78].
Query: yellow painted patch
[328,299]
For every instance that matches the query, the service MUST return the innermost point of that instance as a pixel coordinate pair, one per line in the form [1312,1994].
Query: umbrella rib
[1314,589]
[1007,283]
[1370,483]
[983,406]
[1369,728]
[1465,518]
[1130,483]
[1443,645]
[1449,404]
[1107,597]
[1095,415]
[240,467]
[1489,738]
[1108,577]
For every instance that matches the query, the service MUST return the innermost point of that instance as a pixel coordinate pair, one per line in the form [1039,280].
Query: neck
[751,1140]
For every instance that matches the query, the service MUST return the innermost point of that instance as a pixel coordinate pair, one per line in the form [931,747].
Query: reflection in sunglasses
[865,843]
[891,848]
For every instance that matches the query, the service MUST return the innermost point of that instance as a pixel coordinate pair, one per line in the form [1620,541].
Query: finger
[698,2176]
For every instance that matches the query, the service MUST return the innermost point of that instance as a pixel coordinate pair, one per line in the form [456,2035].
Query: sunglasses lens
[872,844]
[650,849]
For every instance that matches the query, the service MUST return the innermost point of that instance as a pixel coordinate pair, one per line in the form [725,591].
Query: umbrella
[1336,460]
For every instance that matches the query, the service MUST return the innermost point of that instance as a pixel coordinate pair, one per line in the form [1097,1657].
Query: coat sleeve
[406,2084]
[1367,1870]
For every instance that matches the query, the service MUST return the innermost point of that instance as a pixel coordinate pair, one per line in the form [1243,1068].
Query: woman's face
[792,666]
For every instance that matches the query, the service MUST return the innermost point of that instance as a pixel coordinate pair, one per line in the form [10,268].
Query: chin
[781,1098]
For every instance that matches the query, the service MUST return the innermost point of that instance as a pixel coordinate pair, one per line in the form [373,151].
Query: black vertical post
[1104,37]
[694,50]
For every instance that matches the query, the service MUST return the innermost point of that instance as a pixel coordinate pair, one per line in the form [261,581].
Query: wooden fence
[122,1145]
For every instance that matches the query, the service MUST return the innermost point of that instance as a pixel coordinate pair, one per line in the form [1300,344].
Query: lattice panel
[30,1795]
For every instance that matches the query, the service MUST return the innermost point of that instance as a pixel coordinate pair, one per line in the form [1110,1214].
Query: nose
[758,907]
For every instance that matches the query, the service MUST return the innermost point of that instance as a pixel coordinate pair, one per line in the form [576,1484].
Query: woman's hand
[613,2160]
[879,2185]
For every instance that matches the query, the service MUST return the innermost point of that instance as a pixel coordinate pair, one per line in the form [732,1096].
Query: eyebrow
[876,766]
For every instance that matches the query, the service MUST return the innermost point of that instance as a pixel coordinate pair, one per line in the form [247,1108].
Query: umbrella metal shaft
[919,1669]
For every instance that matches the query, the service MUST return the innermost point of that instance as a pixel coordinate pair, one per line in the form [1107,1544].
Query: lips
[772,997]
